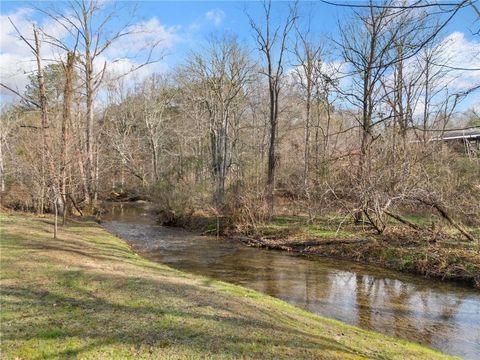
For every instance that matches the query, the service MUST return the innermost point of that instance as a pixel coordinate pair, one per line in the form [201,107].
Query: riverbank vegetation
[439,255]
[434,251]
[363,137]
[87,295]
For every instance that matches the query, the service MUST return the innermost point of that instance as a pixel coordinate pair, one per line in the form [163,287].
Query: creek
[444,316]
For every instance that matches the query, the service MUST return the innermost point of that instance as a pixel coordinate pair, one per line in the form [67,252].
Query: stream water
[443,316]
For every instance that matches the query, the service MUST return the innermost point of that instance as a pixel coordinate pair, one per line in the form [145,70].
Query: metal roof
[473,133]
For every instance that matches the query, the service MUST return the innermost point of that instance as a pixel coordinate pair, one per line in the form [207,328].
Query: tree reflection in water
[443,316]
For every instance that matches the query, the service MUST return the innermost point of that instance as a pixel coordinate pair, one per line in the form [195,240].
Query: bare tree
[272,42]
[308,73]
[90,21]
[120,130]
[6,126]
[158,98]
[221,71]
[44,113]
[68,67]
[198,138]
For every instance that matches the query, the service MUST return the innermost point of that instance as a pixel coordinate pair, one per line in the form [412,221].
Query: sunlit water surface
[439,315]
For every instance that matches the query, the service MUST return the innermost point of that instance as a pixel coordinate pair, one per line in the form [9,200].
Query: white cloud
[215,15]
[459,52]
[122,69]
[17,61]
[16,58]
[449,74]
[9,42]
[456,56]
[143,36]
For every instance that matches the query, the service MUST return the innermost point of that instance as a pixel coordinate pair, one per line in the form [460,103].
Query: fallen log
[327,242]
[249,241]
[443,212]
[403,220]
[297,244]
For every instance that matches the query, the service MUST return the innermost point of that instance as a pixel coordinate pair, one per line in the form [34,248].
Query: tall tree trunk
[96,170]
[90,171]
[307,137]
[365,128]
[426,99]
[66,119]
[272,147]
[55,221]
[365,139]
[89,90]
[2,168]
[155,161]
[44,115]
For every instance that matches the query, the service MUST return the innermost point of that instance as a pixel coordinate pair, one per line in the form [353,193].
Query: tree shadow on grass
[101,251]
[142,306]
[146,313]
[97,252]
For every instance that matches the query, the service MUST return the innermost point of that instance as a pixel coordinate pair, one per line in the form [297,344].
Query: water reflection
[443,316]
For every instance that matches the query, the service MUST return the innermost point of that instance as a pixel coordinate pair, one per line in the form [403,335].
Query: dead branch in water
[288,245]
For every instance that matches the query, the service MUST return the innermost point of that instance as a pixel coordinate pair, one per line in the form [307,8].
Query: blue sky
[186,24]
[184,13]
[190,18]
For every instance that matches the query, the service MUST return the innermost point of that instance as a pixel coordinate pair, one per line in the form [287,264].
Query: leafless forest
[244,132]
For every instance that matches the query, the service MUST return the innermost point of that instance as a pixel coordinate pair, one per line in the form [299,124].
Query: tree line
[244,131]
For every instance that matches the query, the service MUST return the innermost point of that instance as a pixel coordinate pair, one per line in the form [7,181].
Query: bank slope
[87,295]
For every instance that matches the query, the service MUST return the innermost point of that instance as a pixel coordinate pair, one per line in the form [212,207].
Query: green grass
[297,227]
[422,220]
[87,295]
[328,231]
[286,220]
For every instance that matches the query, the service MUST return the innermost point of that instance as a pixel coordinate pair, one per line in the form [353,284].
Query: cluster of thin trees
[243,131]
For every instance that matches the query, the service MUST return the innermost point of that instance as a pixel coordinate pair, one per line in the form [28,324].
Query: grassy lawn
[87,295]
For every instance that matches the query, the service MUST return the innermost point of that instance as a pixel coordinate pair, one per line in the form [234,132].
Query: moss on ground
[87,295]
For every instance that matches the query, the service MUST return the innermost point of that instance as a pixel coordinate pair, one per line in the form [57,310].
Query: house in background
[465,141]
